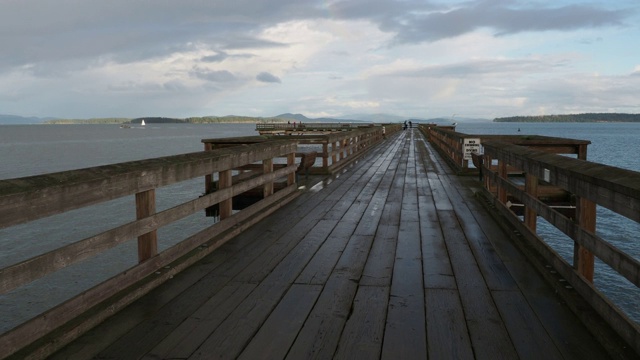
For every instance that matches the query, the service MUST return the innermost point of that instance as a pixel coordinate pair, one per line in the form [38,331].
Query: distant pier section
[299,128]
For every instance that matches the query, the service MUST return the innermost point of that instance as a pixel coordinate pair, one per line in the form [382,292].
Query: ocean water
[27,150]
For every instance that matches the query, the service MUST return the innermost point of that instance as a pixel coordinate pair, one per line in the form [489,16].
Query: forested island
[587,117]
[166,120]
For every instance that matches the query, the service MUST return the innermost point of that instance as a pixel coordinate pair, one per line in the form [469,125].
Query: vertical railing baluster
[146,206]
[225,181]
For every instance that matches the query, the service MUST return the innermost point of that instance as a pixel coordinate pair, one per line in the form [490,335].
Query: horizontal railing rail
[338,148]
[27,199]
[591,185]
[458,148]
[296,125]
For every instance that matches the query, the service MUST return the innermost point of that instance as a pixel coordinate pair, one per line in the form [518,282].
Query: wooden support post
[325,156]
[226,206]
[291,160]
[147,243]
[531,188]
[334,148]
[582,152]
[486,163]
[583,259]
[267,167]
[208,179]
[502,172]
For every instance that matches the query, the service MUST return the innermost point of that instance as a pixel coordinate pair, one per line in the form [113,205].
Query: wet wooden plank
[323,262]
[487,332]
[320,334]
[405,330]
[188,336]
[230,338]
[363,332]
[493,269]
[528,335]
[438,273]
[448,337]
[275,337]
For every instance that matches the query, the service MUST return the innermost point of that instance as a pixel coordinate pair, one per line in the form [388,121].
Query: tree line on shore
[166,120]
[586,117]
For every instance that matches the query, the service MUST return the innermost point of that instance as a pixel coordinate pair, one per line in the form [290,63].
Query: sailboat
[142,123]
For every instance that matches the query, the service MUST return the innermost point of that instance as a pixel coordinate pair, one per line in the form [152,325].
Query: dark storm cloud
[125,31]
[267,78]
[213,75]
[39,31]
[219,57]
[415,22]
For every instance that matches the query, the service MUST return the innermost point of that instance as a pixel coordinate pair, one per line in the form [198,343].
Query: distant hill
[88,121]
[384,118]
[156,120]
[293,117]
[302,118]
[587,117]
[17,120]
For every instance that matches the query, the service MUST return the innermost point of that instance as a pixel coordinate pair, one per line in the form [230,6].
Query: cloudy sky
[475,58]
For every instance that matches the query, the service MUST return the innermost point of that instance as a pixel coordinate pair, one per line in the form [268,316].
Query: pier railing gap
[524,177]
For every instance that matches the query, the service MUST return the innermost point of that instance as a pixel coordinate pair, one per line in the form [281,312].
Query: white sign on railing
[470,146]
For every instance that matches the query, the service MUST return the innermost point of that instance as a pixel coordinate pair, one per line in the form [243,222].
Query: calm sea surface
[37,149]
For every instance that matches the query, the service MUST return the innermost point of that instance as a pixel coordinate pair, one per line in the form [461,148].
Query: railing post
[325,155]
[531,188]
[225,181]
[147,243]
[208,179]
[267,167]
[502,172]
[291,160]
[583,259]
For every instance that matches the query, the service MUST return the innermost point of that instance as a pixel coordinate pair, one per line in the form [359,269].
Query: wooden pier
[392,257]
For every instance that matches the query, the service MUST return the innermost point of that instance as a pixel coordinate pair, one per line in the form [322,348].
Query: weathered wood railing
[307,126]
[457,147]
[338,149]
[591,184]
[26,199]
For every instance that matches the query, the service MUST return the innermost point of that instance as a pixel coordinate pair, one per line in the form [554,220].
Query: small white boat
[142,123]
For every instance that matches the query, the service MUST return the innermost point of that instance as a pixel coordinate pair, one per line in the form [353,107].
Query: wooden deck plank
[233,334]
[323,262]
[321,332]
[405,330]
[448,337]
[528,335]
[438,273]
[363,331]
[436,264]
[487,332]
[195,329]
[281,328]
[495,273]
